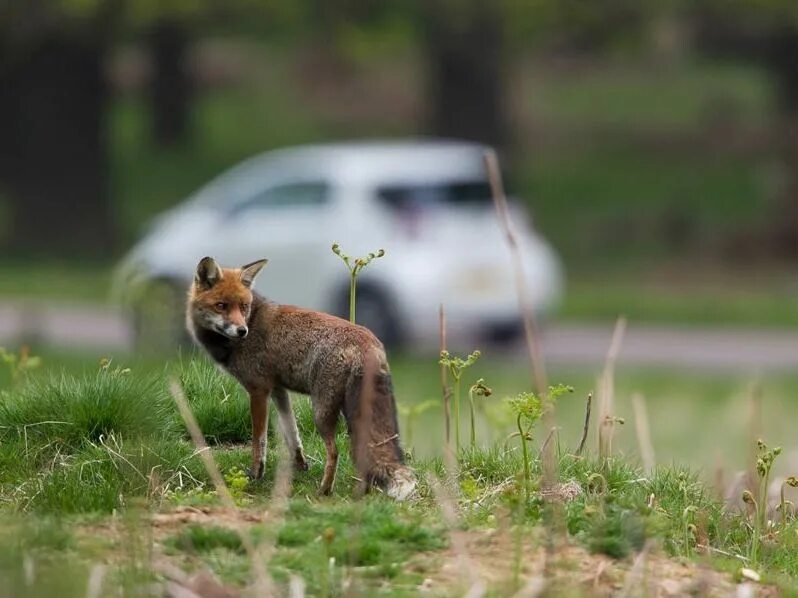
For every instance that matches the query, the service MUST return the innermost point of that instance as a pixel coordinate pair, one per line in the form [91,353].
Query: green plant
[477,389]
[456,367]
[411,413]
[792,482]
[237,481]
[19,364]
[529,408]
[764,463]
[355,266]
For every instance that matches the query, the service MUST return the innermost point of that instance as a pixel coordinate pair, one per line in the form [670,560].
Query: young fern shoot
[456,367]
[529,408]
[355,266]
[480,390]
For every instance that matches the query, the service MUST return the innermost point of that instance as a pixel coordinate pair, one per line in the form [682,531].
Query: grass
[123,452]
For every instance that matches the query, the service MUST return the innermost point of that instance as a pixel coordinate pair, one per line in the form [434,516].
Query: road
[81,327]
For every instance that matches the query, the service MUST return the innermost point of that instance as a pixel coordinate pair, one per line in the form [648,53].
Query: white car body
[291,205]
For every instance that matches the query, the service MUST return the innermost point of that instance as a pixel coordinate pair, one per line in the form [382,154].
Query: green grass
[652,298]
[105,463]
[630,96]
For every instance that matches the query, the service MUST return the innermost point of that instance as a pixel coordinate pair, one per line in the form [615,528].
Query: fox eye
[221,306]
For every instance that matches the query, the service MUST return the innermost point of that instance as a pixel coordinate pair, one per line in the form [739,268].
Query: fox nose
[241,331]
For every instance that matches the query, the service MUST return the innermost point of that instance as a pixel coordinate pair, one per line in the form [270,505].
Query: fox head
[220,299]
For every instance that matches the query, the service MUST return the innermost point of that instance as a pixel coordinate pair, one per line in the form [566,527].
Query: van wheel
[374,310]
[159,318]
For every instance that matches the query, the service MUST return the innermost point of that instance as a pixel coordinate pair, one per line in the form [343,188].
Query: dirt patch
[233,518]
[491,558]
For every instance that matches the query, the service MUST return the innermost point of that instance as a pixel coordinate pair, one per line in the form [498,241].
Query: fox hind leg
[288,426]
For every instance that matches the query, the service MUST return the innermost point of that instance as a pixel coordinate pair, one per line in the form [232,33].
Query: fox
[271,349]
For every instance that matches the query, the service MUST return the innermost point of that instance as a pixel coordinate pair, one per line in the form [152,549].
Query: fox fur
[272,349]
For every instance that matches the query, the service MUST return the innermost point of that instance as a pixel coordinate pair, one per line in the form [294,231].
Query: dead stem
[586,428]
[539,379]
[263,581]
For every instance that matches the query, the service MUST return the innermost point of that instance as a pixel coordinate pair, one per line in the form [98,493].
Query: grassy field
[96,468]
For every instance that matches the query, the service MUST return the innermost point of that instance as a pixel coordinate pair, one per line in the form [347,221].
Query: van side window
[289,195]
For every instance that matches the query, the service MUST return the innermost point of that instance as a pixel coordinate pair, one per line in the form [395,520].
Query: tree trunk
[171,86]
[782,61]
[53,149]
[465,78]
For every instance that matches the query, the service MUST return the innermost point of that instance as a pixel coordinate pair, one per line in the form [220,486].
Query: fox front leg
[259,409]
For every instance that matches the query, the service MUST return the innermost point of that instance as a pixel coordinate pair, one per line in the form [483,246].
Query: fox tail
[370,412]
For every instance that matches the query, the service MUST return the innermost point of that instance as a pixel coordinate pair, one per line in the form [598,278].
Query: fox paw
[256,473]
[300,464]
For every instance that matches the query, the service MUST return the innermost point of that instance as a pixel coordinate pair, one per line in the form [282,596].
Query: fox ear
[250,271]
[208,273]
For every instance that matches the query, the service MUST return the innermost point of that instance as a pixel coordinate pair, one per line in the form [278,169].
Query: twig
[386,441]
[586,428]
[708,548]
[262,579]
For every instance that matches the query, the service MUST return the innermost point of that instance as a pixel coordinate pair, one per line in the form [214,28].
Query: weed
[764,463]
[354,267]
[477,389]
[529,408]
[792,482]
[19,365]
[456,367]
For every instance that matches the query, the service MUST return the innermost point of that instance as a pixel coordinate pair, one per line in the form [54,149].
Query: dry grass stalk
[527,309]
[447,395]
[586,428]
[95,585]
[607,390]
[531,332]
[448,506]
[635,579]
[643,432]
[263,582]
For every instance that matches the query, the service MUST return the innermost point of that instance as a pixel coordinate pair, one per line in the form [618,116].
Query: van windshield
[422,195]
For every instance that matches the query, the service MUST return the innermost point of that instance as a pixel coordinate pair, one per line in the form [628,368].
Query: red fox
[272,349]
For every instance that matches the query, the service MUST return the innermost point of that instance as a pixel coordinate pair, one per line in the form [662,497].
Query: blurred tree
[464,49]
[53,146]
[171,85]
[765,31]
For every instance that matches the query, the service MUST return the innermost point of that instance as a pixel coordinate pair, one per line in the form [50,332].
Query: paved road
[96,328]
